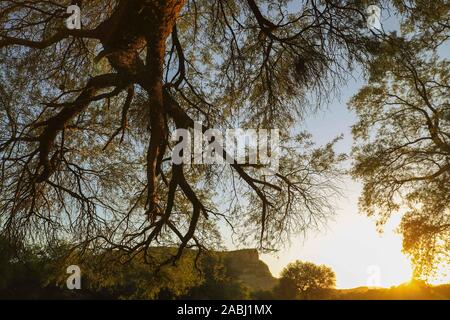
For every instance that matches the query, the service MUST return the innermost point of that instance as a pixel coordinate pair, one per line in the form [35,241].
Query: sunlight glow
[352,247]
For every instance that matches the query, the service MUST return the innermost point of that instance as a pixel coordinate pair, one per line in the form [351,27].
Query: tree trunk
[134,26]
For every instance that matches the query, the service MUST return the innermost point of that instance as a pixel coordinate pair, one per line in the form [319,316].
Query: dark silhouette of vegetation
[40,273]
[87,115]
[305,280]
[414,290]
[218,283]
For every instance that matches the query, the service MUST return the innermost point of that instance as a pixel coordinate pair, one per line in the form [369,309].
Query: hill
[246,266]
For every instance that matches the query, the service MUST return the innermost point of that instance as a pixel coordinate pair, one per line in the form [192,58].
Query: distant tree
[305,280]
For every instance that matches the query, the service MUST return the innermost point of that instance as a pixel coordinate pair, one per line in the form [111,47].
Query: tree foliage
[402,149]
[305,280]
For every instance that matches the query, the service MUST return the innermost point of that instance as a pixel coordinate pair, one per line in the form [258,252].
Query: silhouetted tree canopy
[305,280]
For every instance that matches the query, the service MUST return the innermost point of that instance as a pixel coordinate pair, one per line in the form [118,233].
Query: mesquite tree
[87,115]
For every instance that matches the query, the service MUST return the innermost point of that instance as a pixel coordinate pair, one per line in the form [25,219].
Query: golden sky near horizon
[353,248]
